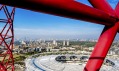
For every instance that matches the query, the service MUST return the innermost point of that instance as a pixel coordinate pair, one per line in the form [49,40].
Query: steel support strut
[105,40]
[65,8]
[6,39]
[101,48]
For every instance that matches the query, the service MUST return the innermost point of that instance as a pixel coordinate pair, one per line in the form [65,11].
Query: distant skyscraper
[67,43]
[54,42]
[64,43]
[48,44]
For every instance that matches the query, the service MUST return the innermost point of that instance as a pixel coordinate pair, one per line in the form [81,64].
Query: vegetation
[83,43]
[30,53]
[19,62]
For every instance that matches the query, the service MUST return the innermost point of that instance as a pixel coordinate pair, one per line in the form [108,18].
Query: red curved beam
[103,5]
[65,8]
[101,48]
[105,40]
[117,10]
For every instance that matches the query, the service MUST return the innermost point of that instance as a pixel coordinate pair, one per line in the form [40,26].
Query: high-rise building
[64,43]
[48,44]
[54,42]
[67,43]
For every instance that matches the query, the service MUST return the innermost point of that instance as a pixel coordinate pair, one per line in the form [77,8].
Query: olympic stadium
[65,63]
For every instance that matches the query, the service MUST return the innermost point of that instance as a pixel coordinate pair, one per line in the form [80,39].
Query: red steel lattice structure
[102,13]
[6,39]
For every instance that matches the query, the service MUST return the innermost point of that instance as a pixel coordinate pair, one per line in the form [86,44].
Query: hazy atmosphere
[45,26]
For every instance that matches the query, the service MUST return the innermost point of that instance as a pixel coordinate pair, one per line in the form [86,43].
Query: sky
[29,24]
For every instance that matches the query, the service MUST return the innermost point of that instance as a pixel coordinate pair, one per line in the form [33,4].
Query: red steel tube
[103,5]
[117,10]
[101,48]
[7,33]
[65,8]
[2,67]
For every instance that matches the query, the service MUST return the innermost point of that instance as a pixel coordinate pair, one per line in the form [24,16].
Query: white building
[65,43]
[54,42]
